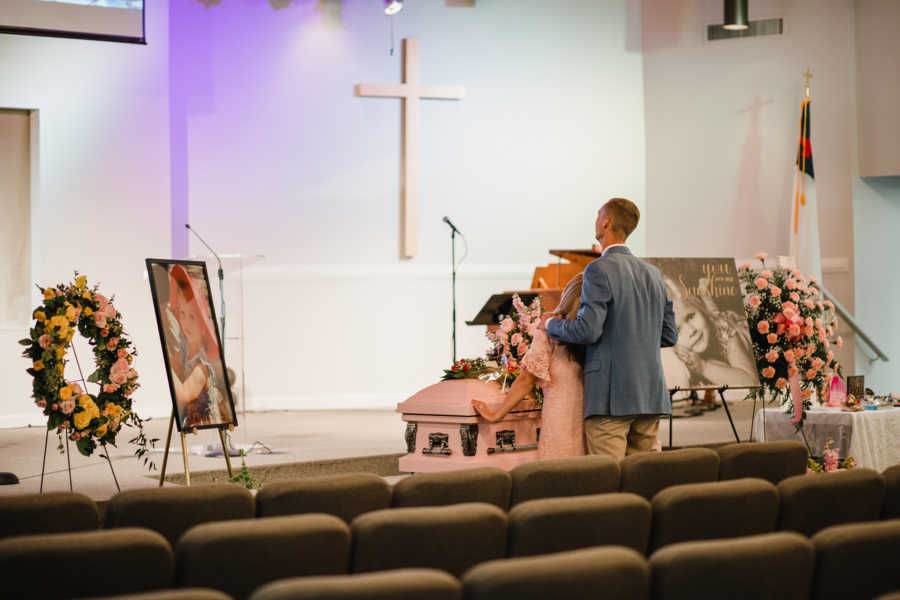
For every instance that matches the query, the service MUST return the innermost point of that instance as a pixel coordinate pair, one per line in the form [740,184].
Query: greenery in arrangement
[793,330]
[470,368]
[87,419]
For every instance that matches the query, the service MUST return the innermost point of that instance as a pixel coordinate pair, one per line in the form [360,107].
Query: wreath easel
[87,419]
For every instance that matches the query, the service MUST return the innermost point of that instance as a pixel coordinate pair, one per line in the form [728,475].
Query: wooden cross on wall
[410,92]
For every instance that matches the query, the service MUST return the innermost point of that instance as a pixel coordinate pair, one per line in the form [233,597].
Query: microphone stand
[221,275]
[453,232]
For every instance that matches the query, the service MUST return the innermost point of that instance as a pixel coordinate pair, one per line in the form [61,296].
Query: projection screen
[107,20]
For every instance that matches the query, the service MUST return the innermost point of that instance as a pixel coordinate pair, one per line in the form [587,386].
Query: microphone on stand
[221,275]
[450,223]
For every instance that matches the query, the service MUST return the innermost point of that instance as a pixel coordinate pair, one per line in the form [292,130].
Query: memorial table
[871,437]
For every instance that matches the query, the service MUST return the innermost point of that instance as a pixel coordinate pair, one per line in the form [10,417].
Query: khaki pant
[618,436]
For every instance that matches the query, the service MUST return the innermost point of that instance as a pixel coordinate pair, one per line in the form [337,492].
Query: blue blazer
[624,319]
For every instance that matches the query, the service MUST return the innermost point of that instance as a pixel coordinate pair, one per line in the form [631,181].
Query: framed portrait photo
[191,346]
[714,348]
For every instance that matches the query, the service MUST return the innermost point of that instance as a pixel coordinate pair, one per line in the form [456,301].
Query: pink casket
[443,431]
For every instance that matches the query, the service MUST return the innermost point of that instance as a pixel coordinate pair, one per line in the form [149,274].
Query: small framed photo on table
[191,346]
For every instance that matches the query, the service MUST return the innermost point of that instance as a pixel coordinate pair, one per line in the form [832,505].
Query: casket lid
[454,398]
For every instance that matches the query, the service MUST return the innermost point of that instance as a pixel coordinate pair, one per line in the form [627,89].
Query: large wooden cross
[410,91]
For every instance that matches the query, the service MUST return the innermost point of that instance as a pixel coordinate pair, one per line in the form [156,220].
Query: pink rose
[772,356]
[788,355]
[780,328]
[118,378]
[76,389]
[814,291]
[745,267]
[772,338]
[829,330]
[818,363]
[826,343]
[779,318]
[776,291]
[104,332]
[42,403]
[811,349]
[100,319]
[762,256]
[813,280]
[754,301]
[763,327]
[521,350]
[781,383]
[794,330]
[122,353]
[839,342]
[67,406]
[112,343]
[809,331]
[132,374]
[768,372]
[507,325]
[109,311]
[829,304]
[830,356]
[44,341]
[789,312]
[790,284]
[818,323]
[811,374]
[805,394]
[766,273]
[120,366]
[110,388]
[761,283]
[792,371]
[516,339]
[809,303]
[795,296]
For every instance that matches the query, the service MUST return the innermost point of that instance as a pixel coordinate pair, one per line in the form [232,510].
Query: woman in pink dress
[556,368]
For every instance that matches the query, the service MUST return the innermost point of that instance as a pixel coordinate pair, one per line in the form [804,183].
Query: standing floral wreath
[792,329]
[87,419]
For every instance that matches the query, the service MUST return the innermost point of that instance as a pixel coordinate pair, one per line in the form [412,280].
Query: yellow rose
[83,418]
[88,311]
[70,335]
[40,316]
[86,295]
[60,351]
[80,282]
[59,321]
[38,365]
[114,410]
[70,313]
[100,431]
[65,392]
[49,293]
[61,367]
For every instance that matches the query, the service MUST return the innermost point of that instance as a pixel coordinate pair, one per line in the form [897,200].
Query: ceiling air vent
[754,29]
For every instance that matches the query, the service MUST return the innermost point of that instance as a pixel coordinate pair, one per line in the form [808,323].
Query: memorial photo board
[714,348]
[192,348]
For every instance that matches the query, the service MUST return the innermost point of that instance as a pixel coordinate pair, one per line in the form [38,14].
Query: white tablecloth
[871,437]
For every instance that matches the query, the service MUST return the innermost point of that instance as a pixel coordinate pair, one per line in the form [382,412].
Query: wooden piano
[547,282]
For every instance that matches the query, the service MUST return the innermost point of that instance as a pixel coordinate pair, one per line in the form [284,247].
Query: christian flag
[805,222]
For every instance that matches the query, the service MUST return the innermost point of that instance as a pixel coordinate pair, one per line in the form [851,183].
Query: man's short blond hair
[624,215]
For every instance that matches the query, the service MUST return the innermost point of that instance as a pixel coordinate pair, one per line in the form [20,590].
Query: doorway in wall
[15,218]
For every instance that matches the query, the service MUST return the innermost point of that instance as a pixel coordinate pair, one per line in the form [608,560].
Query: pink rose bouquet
[791,332]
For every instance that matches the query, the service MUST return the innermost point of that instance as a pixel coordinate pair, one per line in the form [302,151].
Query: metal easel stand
[184,454]
[721,392]
[68,457]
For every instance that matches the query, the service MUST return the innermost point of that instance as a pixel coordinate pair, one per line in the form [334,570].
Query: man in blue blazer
[624,319]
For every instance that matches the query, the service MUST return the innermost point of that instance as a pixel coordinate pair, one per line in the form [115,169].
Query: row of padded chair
[172,511]
[841,562]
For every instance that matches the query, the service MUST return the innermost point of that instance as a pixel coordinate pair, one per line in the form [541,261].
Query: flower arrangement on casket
[792,328]
[87,419]
[510,342]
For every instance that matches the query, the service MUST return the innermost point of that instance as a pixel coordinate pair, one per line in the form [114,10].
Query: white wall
[281,158]
[876,219]
[101,205]
[722,127]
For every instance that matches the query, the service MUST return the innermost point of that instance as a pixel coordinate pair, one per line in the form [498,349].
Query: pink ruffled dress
[562,428]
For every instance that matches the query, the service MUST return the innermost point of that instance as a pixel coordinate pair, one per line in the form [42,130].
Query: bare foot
[482,409]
